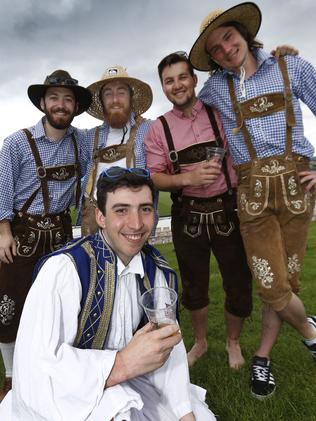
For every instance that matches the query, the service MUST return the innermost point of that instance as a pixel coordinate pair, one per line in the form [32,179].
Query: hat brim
[141,100]
[83,95]
[248,14]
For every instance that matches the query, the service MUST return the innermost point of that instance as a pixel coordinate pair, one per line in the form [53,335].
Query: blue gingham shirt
[18,171]
[268,133]
[139,148]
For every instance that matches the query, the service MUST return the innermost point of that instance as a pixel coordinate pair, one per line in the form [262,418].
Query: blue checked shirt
[18,171]
[139,148]
[268,132]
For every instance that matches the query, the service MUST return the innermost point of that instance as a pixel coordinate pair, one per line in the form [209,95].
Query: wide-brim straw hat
[61,79]
[248,14]
[142,96]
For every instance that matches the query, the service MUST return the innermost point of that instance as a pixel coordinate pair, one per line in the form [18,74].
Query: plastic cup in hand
[214,153]
[160,304]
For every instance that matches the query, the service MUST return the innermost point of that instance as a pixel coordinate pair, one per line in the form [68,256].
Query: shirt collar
[262,58]
[135,266]
[195,110]
[39,131]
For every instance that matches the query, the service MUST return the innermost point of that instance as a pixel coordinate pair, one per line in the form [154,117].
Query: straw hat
[248,14]
[142,94]
[60,79]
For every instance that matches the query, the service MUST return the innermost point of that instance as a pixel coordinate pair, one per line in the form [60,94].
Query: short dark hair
[248,37]
[174,58]
[105,185]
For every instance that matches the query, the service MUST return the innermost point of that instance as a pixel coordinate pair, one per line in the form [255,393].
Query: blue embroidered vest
[96,265]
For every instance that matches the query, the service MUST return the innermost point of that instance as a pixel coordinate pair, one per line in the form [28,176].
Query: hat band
[53,80]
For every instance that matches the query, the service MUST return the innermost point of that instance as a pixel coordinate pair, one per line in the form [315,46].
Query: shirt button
[95,314]
[99,293]
[88,335]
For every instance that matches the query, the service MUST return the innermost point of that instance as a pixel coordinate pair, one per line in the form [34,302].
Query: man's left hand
[283,50]
[308,177]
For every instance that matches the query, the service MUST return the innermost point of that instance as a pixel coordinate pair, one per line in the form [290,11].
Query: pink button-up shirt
[186,131]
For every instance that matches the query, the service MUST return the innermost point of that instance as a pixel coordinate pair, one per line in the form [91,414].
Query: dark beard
[59,123]
[117,119]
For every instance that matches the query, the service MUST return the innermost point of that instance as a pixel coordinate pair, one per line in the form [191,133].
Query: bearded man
[41,169]
[118,100]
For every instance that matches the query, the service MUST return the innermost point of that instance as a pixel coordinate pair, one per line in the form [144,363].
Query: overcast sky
[86,36]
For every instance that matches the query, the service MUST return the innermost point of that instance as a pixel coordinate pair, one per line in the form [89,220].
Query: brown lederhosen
[204,225]
[110,154]
[35,235]
[274,210]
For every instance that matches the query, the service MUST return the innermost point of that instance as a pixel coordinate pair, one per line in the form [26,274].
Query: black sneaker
[312,348]
[262,381]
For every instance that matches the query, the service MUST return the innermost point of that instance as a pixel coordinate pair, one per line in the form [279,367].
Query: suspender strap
[290,117]
[39,166]
[219,142]
[77,166]
[130,155]
[173,155]
[240,119]
[95,160]
[289,112]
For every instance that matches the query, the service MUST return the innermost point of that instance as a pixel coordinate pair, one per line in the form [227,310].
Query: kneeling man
[84,349]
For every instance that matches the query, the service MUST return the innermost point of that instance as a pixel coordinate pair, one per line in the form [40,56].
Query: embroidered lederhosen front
[51,229]
[204,225]
[35,236]
[201,211]
[110,155]
[274,209]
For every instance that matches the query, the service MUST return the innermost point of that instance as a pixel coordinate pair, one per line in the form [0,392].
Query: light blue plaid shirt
[267,133]
[18,171]
[139,148]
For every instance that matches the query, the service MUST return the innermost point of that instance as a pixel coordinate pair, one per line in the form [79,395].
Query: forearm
[119,372]
[170,182]
[5,228]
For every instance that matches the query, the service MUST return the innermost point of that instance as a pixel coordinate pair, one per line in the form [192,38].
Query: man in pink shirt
[204,217]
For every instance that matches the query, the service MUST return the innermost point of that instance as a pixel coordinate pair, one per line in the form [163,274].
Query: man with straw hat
[258,98]
[41,173]
[204,218]
[118,100]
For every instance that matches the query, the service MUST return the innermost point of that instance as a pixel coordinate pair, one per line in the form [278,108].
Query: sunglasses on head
[115,173]
[181,53]
[53,80]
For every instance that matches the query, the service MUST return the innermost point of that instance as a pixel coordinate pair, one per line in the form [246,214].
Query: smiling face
[128,220]
[227,48]
[59,106]
[179,85]
[116,100]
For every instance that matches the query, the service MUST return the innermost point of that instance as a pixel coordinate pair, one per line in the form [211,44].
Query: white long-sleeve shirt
[54,381]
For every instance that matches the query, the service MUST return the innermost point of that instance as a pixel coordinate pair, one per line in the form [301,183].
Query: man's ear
[195,80]
[42,104]
[100,218]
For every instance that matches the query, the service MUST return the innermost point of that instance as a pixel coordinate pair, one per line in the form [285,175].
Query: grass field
[164,204]
[294,370]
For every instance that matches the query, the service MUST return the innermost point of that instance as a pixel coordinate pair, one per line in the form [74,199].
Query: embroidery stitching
[261,105]
[262,271]
[273,168]
[292,186]
[7,310]
[293,264]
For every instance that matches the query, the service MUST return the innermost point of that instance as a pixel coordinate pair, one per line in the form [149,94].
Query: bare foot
[235,358]
[197,351]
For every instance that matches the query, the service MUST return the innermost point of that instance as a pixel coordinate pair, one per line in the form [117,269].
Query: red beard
[117,119]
